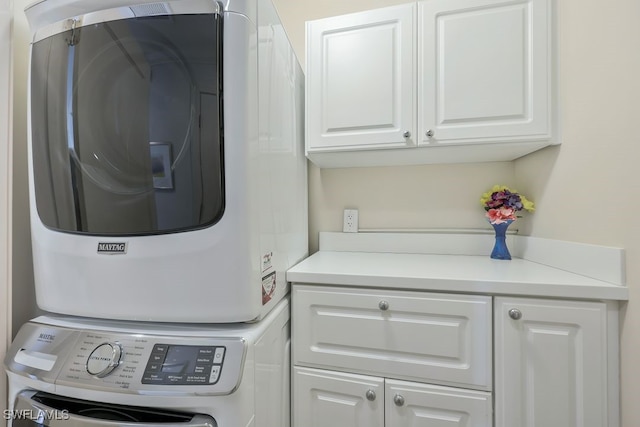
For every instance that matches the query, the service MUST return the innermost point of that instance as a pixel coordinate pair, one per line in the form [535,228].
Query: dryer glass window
[126,123]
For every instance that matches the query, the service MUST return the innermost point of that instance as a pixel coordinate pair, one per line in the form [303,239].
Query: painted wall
[586,190]
[5,182]
[23,299]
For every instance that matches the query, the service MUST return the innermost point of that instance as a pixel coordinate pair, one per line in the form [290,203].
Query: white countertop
[450,273]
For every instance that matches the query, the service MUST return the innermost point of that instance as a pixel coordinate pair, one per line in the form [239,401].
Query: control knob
[104,359]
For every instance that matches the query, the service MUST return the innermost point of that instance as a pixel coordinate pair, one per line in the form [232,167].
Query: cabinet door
[550,363]
[421,405]
[484,71]
[331,399]
[360,79]
[417,336]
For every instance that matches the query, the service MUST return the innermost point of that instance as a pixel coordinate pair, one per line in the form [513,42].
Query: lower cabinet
[325,398]
[383,357]
[554,363]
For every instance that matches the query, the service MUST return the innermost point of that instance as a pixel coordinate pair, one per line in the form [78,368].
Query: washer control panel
[184,364]
[190,363]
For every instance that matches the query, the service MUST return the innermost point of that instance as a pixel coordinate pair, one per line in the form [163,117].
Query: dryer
[167,172]
[71,371]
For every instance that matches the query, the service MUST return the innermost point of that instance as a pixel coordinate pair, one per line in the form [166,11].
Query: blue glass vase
[500,250]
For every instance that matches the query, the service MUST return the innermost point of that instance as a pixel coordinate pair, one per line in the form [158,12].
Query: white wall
[5,183]
[586,190]
[408,197]
[23,300]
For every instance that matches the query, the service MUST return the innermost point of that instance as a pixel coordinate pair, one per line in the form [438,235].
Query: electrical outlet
[350,223]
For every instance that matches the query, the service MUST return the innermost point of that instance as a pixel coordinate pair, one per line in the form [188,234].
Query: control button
[205,359]
[104,359]
[219,355]
[156,358]
[196,379]
[215,373]
[202,369]
[153,367]
[150,378]
[160,348]
[175,379]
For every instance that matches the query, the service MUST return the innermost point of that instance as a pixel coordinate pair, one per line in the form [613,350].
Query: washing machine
[69,371]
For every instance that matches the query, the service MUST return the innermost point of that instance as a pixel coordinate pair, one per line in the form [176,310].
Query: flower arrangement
[502,203]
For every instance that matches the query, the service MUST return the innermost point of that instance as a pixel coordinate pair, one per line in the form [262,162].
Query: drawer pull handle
[515,314]
[398,399]
[383,305]
[371,395]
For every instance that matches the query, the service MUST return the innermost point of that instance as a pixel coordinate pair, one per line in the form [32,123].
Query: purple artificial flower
[514,202]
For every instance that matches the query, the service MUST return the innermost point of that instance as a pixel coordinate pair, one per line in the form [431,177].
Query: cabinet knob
[407,134]
[515,314]
[398,399]
[383,305]
[429,133]
[370,395]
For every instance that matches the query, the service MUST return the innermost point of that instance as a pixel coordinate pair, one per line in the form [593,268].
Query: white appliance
[66,371]
[167,172]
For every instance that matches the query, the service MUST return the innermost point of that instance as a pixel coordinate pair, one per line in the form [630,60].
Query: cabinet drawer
[413,404]
[438,338]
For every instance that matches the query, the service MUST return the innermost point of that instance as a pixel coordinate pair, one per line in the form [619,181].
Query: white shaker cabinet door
[360,80]
[484,71]
[421,405]
[331,399]
[550,363]
[426,337]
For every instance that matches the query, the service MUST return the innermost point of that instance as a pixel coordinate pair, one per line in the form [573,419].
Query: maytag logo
[46,337]
[112,248]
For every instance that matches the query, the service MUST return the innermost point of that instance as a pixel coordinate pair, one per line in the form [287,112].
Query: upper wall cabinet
[438,81]
[361,80]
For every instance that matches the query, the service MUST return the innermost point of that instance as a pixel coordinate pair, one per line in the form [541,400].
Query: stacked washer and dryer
[168,198]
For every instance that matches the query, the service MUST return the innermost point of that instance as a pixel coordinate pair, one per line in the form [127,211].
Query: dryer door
[126,128]
[43,409]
